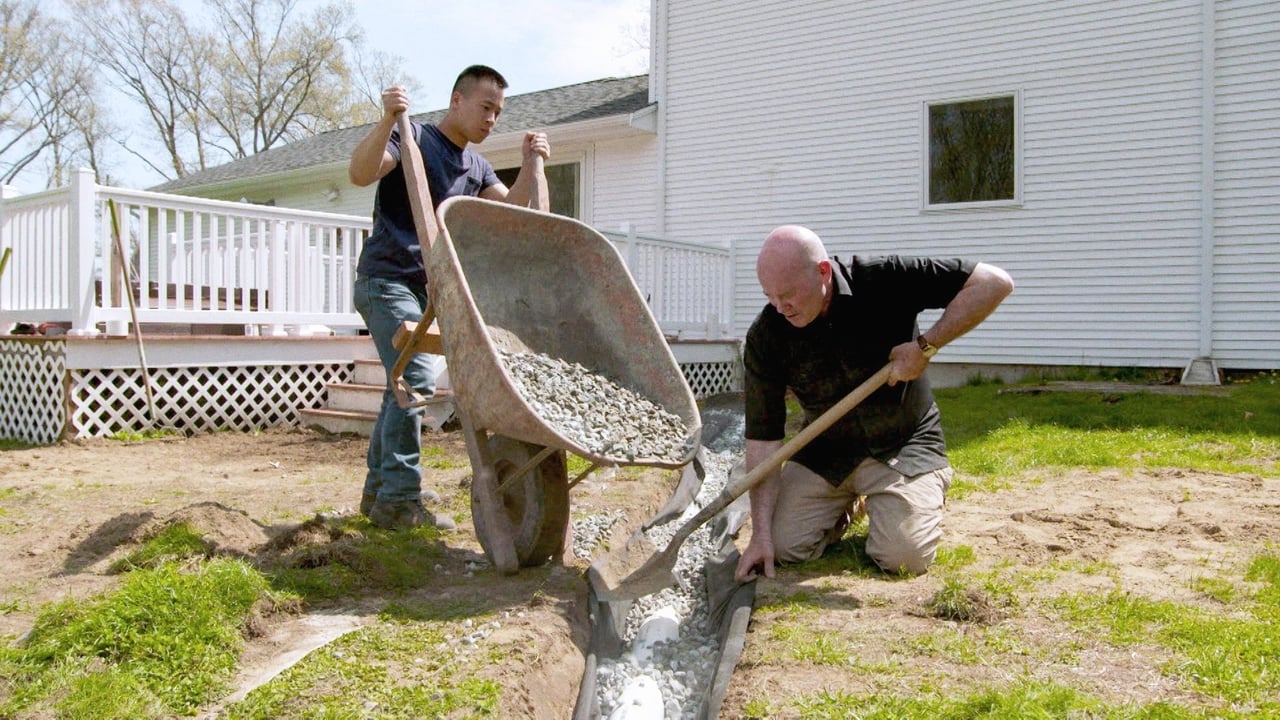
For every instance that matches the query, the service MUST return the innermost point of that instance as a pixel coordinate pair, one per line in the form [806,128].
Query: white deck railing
[208,262]
[688,286]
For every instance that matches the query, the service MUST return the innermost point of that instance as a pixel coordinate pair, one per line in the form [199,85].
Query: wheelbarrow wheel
[536,505]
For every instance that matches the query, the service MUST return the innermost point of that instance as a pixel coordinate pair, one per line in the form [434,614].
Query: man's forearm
[367,159]
[530,183]
[764,496]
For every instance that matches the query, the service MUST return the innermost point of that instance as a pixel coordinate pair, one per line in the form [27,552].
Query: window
[972,148]
[562,185]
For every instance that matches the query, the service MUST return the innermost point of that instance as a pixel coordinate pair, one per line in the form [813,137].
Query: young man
[391,280]
[828,327]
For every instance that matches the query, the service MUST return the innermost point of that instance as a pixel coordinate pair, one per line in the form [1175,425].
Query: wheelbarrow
[507,278]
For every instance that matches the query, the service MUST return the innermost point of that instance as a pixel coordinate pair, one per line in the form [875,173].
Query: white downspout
[658,94]
[1208,132]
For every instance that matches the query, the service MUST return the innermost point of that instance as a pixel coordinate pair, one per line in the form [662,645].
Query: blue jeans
[395,447]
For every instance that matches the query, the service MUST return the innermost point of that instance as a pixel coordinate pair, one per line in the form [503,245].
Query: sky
[535,44]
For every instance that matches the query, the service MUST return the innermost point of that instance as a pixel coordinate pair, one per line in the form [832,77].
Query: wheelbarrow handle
[415,179]
[428,229]
[538,193]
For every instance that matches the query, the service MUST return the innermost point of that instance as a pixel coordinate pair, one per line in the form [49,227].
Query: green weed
[438,458]
[175,542]
[140,435]
[163,643]
[1224,655]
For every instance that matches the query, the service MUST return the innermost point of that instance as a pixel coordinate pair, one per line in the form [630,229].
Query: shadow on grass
[975,412]
[847,558]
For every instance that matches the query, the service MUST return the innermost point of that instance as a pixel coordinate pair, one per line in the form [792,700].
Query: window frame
[1017,200]
[580,159]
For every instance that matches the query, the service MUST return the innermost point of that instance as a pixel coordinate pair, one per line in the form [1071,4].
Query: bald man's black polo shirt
[875,306]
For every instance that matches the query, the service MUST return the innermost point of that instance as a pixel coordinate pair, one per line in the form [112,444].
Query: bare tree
[634,42]
[26,107]
[375,70]
[237,80]
[78,130]
[148,50]
[280,78]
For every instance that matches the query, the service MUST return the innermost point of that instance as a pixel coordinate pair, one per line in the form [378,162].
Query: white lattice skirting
[106,402]
[709,378]
[42,401]
[31,397]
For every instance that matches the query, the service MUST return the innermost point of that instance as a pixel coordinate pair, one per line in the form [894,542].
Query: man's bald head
[795,274]
[791,247]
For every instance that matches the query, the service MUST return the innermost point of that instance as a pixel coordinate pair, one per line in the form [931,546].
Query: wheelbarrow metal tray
[509,278]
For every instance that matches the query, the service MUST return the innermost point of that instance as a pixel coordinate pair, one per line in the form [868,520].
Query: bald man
[827,328]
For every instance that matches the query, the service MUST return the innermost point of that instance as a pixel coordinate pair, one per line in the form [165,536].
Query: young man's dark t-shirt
[392,250]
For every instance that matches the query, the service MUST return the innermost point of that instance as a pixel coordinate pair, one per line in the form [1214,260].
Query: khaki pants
[904,514]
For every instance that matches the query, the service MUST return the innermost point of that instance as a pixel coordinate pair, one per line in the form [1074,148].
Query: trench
[671,654]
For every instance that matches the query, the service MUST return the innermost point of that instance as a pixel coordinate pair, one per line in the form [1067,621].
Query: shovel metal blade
[634,570]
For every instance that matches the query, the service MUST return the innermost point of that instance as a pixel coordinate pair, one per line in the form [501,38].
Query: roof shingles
[545,108]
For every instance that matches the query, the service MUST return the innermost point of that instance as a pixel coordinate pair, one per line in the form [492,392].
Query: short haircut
[476,73]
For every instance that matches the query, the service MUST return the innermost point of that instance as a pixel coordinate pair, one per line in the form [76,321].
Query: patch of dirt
[68,511]
[1149,534]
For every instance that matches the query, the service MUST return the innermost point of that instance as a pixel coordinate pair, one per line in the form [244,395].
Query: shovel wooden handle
[617,576]
[806,435]
[735,488]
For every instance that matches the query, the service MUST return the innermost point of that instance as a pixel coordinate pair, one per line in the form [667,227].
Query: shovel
[638,569]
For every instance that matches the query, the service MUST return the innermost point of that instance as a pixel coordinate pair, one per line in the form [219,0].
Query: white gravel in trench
[671,653]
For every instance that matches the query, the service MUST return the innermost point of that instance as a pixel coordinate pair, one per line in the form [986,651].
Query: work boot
[368,499]
[398,514]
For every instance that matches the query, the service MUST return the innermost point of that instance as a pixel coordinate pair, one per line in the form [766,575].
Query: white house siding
[1247,185]
[323,189]
[810,112]
[622,190]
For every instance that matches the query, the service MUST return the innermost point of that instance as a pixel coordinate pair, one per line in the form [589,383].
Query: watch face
[928,350]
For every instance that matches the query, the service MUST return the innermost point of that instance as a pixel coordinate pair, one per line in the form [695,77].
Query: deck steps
[353,407]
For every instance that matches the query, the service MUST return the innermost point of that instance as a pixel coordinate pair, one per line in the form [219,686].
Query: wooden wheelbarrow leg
[502,548]
[410,339]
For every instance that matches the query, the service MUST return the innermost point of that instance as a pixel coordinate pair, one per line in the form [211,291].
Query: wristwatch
[926,348]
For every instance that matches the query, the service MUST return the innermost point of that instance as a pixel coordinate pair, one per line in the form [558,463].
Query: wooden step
[371,372]
[368,398]
[352,407]
[350,396]
[337,420]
